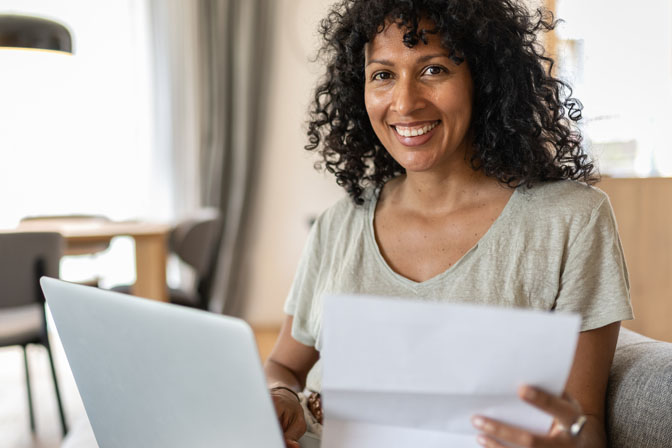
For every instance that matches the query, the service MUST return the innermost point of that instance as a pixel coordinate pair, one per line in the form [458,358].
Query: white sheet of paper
[405,373]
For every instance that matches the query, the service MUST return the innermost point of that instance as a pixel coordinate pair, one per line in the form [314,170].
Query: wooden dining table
[90,236]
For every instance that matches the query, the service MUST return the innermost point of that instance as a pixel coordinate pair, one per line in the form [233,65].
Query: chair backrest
[194,240]
[24,257]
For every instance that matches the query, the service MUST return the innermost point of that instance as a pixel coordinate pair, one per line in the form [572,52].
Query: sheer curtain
[175,63]
[210,73]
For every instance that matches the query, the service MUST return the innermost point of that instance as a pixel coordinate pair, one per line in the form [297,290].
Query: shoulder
[345,212]
[556,213]
[345,205]
[342,222]
[563,199]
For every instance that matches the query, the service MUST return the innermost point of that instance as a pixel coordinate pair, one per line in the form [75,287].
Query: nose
[407,97]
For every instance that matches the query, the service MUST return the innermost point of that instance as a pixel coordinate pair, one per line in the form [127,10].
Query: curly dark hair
[523,121]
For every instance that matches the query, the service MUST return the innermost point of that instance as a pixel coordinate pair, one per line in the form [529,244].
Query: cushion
[639,395]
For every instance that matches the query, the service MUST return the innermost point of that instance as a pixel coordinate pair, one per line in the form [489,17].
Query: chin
[416,166]
[415,160]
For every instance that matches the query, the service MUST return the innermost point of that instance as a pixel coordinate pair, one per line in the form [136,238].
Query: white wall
[624,79]
[291,191]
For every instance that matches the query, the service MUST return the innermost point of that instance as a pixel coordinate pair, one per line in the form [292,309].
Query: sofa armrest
[639,395]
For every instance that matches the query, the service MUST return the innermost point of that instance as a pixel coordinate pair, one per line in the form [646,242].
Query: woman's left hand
[565,410]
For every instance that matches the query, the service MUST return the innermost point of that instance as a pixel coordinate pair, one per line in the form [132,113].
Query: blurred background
[127,128]
[166,108]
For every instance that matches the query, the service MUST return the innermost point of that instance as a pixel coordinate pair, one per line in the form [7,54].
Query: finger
[563,409]
[489,442]
[495,432]
[292,444]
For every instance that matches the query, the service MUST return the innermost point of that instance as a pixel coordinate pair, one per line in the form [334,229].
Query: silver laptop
[158,375]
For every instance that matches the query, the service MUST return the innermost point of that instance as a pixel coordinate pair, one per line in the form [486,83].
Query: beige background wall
[291,191]
[644,217]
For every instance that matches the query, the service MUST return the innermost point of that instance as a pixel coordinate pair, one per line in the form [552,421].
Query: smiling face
[418,100]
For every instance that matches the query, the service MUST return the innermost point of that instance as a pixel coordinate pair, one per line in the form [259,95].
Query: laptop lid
[158,375]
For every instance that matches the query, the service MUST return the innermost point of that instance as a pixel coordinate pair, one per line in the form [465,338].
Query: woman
[467,183]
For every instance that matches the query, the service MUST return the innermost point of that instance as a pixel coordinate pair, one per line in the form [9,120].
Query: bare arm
[288,366]
[588,379]
[290,361]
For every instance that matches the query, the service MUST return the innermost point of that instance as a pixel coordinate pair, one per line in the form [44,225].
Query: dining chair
[24,258]
[194,240]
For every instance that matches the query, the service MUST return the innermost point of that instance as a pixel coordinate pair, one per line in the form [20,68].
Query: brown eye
[381,76]
[434,70]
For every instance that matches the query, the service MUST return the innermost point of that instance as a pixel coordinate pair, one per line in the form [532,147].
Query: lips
[414,134]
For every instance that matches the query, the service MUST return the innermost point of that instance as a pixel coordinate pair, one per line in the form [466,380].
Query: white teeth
[414,132]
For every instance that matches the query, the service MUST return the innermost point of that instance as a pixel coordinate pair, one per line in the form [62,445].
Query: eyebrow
[421,59]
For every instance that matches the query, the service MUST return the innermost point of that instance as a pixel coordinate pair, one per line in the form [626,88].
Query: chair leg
[30,397]
[64,427]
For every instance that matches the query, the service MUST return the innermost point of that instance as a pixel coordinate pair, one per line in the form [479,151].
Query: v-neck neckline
[371,236]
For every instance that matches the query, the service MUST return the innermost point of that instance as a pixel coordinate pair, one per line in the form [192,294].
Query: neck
[439,192]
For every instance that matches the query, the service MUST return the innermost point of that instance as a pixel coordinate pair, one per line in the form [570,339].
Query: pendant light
[17,31]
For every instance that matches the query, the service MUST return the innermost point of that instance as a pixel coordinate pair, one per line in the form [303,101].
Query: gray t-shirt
[554,247]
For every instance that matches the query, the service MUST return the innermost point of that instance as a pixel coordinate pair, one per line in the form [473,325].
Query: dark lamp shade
[31,32]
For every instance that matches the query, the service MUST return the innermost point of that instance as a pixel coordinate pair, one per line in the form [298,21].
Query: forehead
[390,42]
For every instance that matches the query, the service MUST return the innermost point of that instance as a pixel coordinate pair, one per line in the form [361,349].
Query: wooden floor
[14,420]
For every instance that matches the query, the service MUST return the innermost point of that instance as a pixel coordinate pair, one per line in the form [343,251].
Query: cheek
[459,107]
[466,104]
[376,115]
[374,106]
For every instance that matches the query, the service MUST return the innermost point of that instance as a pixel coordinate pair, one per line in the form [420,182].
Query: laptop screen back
[157,375]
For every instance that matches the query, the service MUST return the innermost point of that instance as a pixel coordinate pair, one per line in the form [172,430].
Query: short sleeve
[299,303]
[594,281]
